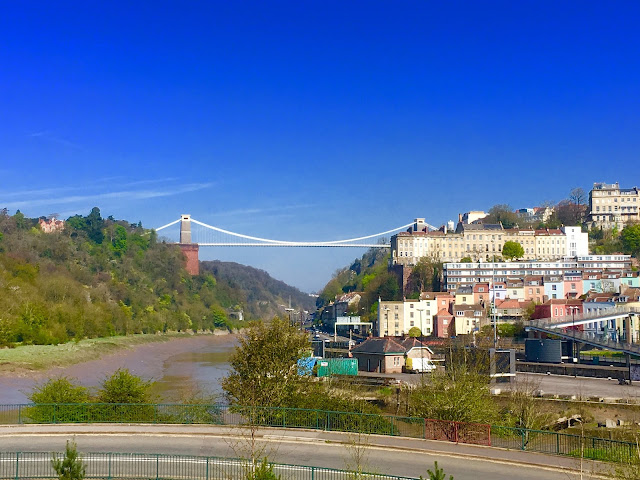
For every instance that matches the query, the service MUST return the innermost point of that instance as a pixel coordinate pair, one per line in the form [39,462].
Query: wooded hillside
[103,277]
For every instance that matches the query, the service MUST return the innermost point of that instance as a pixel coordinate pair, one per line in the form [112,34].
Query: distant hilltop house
[535,214]
[51,225]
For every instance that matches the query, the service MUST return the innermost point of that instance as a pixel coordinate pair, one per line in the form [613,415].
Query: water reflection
[194,374]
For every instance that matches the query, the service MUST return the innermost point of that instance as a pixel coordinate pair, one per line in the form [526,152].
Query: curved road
[389,455]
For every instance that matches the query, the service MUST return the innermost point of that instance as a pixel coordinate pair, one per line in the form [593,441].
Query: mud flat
[180,364]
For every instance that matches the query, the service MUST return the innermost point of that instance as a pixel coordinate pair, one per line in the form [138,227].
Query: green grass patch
[601,353]
[615,454]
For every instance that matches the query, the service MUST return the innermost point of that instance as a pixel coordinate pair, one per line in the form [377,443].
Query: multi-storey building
[484,242]
[396,318]
[611,206]
[458,274]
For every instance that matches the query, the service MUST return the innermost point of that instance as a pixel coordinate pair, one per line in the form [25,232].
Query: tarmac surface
[380,454]
[582,388]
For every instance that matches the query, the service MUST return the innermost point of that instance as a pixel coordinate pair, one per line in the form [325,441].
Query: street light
[573,343]
[289,310]
[421,346]
[386,319]
[493,308]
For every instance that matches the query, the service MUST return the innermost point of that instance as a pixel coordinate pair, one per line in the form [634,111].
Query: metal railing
[31,465]
[596,315]
[588,338]
[541,441]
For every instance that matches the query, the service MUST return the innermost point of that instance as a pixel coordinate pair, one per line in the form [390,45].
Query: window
[410,314]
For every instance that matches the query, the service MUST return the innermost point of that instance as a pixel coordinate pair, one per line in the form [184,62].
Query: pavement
[391,455]
[582,388]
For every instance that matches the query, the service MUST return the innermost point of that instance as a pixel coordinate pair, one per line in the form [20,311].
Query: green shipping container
[337,366]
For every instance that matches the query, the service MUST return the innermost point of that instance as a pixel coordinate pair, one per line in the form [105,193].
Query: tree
[630,237]
[569,213]
[577,196]
[119,240]
[62,392]
[264,365]
[94,226]
[425,275]
[124,387]
[523,409]
[466,260]
[502,213]
[59,390]
[512,250]
[458,394]
[437,473]
[70,467]
[415,332]
[262,470]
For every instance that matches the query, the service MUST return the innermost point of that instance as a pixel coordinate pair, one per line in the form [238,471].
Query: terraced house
[484,242]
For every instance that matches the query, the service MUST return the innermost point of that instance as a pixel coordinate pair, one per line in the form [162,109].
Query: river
[179,368]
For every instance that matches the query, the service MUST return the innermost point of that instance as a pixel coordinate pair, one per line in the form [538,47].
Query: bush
[58,401]
[59,390]
[70,467]
[262,471]
[124,387]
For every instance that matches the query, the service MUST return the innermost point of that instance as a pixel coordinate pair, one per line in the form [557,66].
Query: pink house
[533,289]
[572,285]
[443,324]
[481,293]
[558,308]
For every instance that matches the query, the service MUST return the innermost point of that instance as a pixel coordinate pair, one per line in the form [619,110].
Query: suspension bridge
[194,232]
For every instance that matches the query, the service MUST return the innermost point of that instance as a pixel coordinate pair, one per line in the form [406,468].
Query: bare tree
[577,196]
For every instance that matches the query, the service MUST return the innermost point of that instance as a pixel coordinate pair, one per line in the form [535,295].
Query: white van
[419,365]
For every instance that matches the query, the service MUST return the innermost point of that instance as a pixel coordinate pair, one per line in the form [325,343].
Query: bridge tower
[189,250]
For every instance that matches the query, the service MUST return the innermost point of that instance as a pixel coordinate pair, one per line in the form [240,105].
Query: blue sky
[312,120]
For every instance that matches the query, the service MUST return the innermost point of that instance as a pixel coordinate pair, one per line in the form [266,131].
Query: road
[389,455]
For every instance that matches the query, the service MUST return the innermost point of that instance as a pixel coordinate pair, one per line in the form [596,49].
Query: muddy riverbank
[180,366]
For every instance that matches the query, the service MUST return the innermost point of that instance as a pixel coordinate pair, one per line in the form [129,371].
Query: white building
[396,318]
[467,274]
[611,206]
[484,243]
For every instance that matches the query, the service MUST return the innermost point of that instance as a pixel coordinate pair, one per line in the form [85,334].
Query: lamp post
[573,343]
[421,346]
[386,321]
[493,307]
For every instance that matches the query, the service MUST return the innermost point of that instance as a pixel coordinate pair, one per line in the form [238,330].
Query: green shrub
[70,467]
